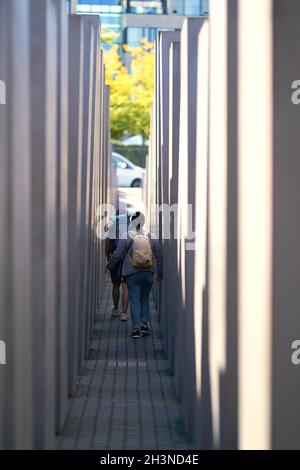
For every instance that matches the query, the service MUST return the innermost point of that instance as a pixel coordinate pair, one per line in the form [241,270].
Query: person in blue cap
[120,223]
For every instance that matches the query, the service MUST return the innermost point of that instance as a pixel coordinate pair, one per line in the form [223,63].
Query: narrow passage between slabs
[125,397]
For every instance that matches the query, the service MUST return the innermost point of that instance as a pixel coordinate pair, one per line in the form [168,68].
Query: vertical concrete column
[88,63]
[102,168]
[202,419]
[174,131]
[229,390]
[62,214]
[151,166]
[91,148]
[108,159]
[105,142]
[268,229]
[146,188]
[16,387]
[74,179]
[43,27]
[93,39]
[100,266]
[286,227]
[255,85]
[217,210]
[186,194]
[157,195]
[50,176]
[108,150]
[95,201]
[222,226]
[165,40]
[150,179]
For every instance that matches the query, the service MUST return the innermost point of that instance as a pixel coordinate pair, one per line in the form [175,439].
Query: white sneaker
[124,316]
[115,312]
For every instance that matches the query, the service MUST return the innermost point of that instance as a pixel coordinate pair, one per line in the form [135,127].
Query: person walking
[138,251]
[115,272]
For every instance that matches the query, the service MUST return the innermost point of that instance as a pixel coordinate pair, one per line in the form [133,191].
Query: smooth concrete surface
[222,225]
[225,140]
[255,226]
[75,138]
[202,404]
[186,200]
[217,211]
[174,127]
[153,21]
[52,146]
[172,191]
[43,93]
[286,228]
[62,214]
[229,401]
[165,40]
[16,377]
[234,298]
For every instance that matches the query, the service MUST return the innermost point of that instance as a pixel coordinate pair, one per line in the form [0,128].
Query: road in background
[133,198]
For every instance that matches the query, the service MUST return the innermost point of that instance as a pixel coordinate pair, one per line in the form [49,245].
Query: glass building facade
[111,12]
[189,7]
[145,7]
[133,36]
[180,7]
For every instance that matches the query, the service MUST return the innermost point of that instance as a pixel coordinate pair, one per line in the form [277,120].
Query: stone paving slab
[125,396]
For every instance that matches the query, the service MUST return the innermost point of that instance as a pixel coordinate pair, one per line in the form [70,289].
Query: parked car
[128,174]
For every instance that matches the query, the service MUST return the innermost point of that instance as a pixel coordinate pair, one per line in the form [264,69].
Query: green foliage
[135,153]
[131,91]
[108,38]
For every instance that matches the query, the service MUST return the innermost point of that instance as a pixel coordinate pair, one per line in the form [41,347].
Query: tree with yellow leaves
[131,90]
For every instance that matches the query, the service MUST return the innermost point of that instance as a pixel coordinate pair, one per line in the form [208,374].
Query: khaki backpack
[141,255]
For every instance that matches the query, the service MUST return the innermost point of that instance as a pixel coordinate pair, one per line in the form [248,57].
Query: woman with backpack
[138,251]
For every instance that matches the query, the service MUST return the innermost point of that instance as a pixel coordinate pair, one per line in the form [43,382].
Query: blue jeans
[139,287]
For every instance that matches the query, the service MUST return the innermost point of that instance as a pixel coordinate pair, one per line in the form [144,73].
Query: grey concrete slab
[75,139]
[173,158]
[62,214]
[43,92]
[186,196]
[50,187]
[15,235]
[165,41]
[286,229]
[236,311]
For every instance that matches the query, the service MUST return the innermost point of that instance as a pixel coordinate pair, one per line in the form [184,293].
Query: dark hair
[139,216]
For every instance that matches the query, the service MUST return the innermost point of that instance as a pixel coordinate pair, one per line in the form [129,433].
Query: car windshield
[120,162]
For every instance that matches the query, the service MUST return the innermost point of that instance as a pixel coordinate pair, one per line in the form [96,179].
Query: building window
[99,2]
[189,8]
[146,7]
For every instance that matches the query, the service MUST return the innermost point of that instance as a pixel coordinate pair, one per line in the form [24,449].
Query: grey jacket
[122,251]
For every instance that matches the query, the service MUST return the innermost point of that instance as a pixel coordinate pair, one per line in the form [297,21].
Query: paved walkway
[125,397]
